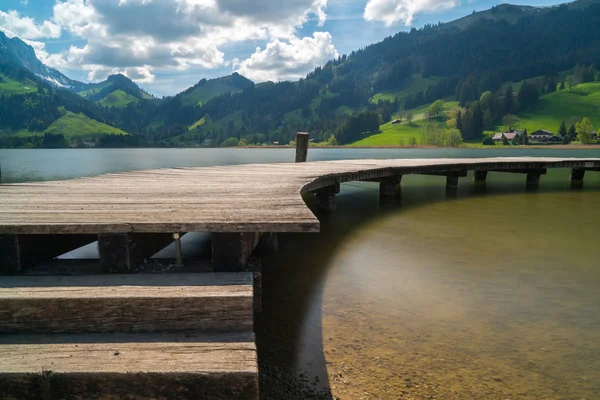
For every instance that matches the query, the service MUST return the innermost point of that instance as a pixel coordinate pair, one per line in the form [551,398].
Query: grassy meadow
[78,126]
[550,110]
[570,106]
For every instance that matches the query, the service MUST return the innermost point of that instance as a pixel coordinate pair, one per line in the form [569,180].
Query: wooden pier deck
[181,335]
[240,198]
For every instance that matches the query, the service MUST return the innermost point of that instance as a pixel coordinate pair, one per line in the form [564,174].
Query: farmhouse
[396,121]
[541,135]
[508,135]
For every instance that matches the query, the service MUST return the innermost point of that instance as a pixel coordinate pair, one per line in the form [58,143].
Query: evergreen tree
[525,137]
[562,86]
[508,100]
[459,122]
[572,132]
[477,122]
[562,131]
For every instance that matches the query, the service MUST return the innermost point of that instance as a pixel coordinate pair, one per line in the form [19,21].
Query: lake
[489,294]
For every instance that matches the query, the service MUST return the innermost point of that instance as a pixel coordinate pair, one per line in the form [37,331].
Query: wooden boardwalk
[240,198]
[181,336]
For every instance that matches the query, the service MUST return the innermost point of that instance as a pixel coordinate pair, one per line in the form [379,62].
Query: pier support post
[533,179]
[388,187]
[480,176]
[576,177]
[301,146]
[326,197]
[452,179]
[121,252]
[19,252]
[268,241]
[231,250]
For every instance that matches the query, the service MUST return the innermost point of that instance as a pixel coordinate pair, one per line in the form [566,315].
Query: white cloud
[392,11]
[138,74]
[288,60]
[172,34]
[13,24]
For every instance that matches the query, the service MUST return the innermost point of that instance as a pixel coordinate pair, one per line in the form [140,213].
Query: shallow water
[490,294]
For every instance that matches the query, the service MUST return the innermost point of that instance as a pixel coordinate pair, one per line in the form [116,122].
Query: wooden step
[128,366]
[126,303]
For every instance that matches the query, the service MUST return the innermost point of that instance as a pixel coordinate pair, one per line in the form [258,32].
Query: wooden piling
[533,179]
[480,176]
[325,197]
[388,187]
[301,146]
[231,250]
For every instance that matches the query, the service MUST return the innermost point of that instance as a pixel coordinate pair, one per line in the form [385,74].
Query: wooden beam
[461,173]
[216,366]
[538,171]
[23,251]
[122,252]
[230,251]
[301,146]
[126,303]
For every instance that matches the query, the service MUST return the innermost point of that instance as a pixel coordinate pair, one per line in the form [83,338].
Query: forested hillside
[473,60]
[351,96]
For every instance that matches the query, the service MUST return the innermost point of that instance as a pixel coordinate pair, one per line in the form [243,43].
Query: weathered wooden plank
[140,366]
[126,303]
[122,252]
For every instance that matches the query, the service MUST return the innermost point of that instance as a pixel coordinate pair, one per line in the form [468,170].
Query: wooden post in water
[576,177]
[388,187]
[533,179]
[480,176]
[326,197]
[301,146]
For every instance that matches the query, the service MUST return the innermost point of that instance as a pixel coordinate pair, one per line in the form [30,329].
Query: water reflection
[479,296]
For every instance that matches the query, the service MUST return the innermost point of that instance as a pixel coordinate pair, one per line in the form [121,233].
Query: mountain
[116,91]
[18,52]
[351,97]
[205,90]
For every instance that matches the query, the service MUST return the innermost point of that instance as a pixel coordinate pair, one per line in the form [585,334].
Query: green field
[400,134]
[78,126]
[118,98]
[9,86]
[393,135]
[553,108]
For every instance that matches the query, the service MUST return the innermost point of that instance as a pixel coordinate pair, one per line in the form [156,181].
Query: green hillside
[401,134]
[118,98]
[207,89]
[116,91]
[78,126]
[9,86]
[570,106]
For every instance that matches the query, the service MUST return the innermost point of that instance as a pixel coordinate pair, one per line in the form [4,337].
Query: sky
[166,46]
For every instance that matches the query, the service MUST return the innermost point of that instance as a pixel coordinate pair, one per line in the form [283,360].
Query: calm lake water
[490,294]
